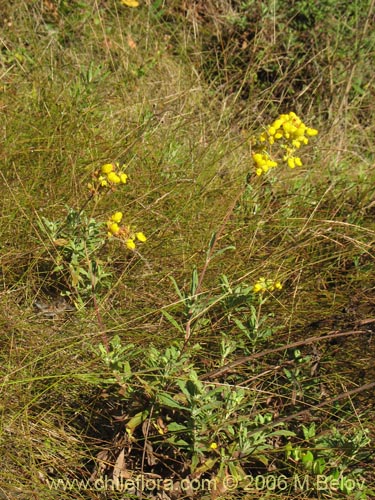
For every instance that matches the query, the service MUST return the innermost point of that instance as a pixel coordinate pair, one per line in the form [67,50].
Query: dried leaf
[103,458]
[161,427]
[131,43]
[119,470]
[60,242]
[151,459]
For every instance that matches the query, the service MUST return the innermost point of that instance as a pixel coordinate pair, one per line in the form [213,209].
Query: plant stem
[209,258]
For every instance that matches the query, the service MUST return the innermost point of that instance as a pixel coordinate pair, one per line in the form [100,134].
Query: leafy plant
[78,240]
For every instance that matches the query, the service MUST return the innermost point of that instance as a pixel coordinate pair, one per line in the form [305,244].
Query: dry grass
[176,92]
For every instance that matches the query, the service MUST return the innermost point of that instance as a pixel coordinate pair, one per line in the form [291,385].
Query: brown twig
[311,340]
[328,402]
[245,359]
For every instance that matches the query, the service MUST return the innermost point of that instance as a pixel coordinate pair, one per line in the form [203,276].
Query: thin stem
[208,260]
[96,306]
[245,359]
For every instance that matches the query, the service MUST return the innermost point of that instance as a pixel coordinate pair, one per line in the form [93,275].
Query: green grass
[177,93]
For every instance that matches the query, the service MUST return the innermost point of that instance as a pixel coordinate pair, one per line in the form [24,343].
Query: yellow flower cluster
[289,127]
[263,285]
[291,133]
[124,233]
[108,176]
[263,162]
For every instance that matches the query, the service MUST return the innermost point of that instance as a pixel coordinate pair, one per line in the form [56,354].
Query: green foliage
[319,456]
[199,380]
[77,241]
[198,417]
[216,427]
[221,427]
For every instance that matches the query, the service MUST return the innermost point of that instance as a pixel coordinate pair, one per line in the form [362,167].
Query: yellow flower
[260,285]
[287,128]
[130,3]
[257,288]
[291,162]
[113,227]
[116,217]
[277,123]
[300,130]
[130,244]
[107,168]
[114,178]
[263,285]
[311,131]
[123,177]
[103,181]
[271,131]
[140,237]
[271,163]
[292,133]
[258,158]
[213,446]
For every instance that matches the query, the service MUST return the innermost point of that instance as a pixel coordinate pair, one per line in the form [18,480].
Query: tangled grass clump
[257,361]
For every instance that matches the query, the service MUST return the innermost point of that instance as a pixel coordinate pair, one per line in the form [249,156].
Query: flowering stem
[96,308]
[208,260]
[100,323]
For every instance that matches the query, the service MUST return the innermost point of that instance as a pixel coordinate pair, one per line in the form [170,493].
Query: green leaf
[263,459]
[179,293]
[136,421]
[237,471]
[308,459]
[319,466]
[176,427]
[167,400]
[178,442]
[211,243]
[240,325]
[222,250]
[206,466]
[194,282]
[282,432]
[309,432]
[171,319]
[194,462]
